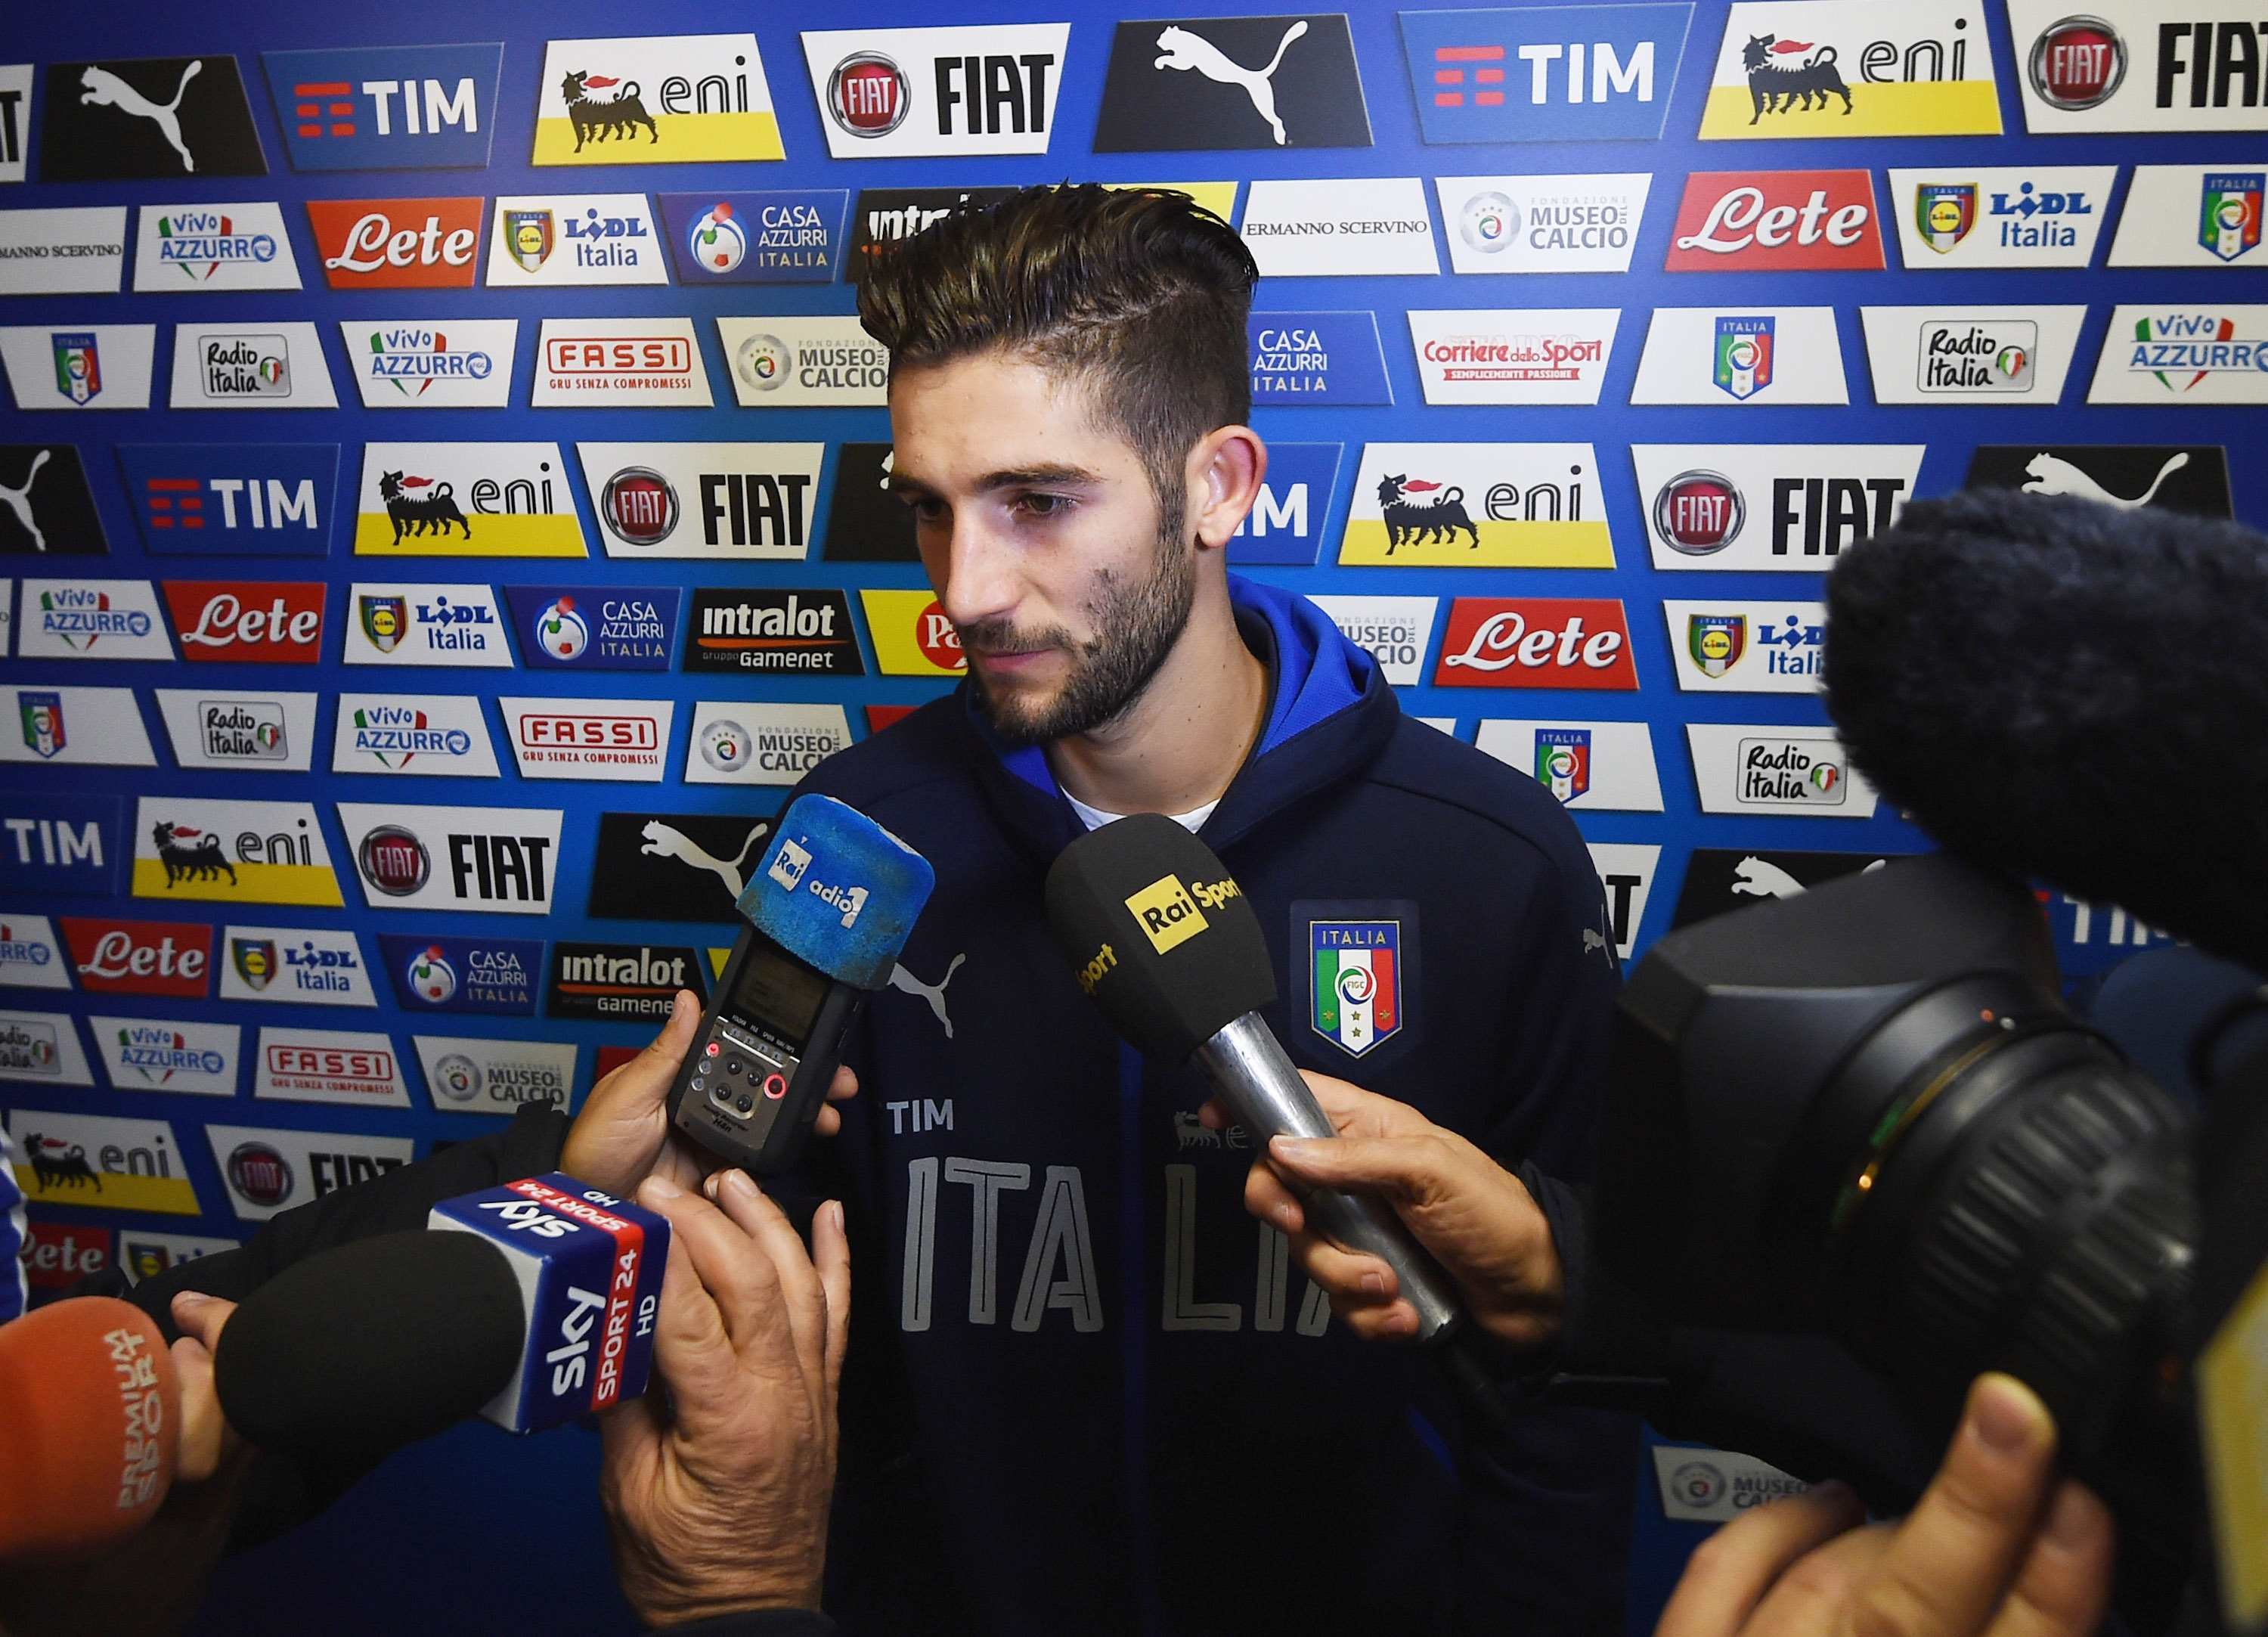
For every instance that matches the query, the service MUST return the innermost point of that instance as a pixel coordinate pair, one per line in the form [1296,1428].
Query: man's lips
[1012,661]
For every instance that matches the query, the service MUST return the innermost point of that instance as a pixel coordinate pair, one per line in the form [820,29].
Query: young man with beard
[1083,1394]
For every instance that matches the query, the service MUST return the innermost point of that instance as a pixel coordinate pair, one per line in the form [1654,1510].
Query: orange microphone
[90,1420]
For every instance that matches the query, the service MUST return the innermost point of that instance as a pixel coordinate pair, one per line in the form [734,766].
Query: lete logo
[397,244]
[140,957]
[1778,219]
[279,623]
[1536,641]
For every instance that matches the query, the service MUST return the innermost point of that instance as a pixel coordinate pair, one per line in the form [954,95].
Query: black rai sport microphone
[527,1304]
[1158,933]
[2062,689]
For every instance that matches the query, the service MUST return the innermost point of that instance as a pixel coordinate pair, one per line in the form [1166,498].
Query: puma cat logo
[934,994]
[1760,880]
[1185,50]
[663,842]
[106,90]
[2054,476]
[19,500]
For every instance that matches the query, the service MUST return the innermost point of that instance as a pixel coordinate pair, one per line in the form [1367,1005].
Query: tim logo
[393,108]
[1744,356]
[1545,73]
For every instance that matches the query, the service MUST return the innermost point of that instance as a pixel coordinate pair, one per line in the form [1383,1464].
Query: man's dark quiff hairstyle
[1141,293]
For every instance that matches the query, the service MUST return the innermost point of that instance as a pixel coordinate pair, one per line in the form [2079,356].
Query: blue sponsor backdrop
[501,1532]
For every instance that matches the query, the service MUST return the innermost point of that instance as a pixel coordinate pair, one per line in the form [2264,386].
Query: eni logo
[1166,912]
[1088,976]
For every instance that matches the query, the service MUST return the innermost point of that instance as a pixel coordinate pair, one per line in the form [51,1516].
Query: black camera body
[1865,1112]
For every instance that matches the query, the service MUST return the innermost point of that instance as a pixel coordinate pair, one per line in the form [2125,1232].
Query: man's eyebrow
[1038,477]
[908,487]
[1021,477]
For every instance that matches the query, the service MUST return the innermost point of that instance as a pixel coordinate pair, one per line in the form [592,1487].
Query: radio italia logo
[240,366]
[1168,916]
[412,358]
[1958,357]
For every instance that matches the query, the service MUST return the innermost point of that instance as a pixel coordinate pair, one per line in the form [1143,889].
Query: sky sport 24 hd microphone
[829,909]
[528,1304]
[538,1305]
[1157,933]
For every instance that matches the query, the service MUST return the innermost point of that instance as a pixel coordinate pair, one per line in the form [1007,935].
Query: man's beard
[1135,628]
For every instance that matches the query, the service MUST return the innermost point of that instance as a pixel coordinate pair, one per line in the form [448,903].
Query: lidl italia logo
[1358,983]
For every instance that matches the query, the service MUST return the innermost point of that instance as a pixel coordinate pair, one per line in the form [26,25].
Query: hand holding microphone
[1160,936]
[1471,1215]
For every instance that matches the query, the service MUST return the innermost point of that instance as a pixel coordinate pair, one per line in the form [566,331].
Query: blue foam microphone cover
[838,890]
[589,1267]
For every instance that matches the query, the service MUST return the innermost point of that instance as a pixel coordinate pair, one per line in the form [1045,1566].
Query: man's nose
[981,582]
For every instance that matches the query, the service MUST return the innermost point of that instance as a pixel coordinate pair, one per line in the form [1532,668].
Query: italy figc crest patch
[1357,993]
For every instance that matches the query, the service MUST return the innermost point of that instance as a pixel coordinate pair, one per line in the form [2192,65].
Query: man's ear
[1225,472]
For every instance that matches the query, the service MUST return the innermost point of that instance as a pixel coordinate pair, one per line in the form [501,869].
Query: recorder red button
[776,1087]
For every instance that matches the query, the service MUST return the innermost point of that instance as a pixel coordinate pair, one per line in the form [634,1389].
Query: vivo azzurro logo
[200,242]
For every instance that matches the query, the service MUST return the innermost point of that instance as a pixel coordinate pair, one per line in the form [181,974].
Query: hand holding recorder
[746,1081]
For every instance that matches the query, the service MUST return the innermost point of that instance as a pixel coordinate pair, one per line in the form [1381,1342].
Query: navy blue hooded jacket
[1085,1391]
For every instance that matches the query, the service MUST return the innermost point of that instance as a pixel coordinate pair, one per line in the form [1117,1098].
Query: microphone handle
[1267,1098]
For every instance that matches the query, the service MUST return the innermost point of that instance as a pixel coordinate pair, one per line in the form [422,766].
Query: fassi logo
[1791,220]
[553,730]
[249,619]
[140,957]
[1536,641]
[397,244]
[331,1062]
[617,354]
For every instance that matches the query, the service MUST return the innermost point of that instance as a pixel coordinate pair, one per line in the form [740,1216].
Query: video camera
[1866,1112]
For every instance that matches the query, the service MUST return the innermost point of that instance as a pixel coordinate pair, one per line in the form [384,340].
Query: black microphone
[2068,689]
[529,1304]
[1158,933]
